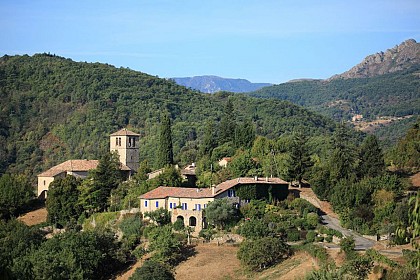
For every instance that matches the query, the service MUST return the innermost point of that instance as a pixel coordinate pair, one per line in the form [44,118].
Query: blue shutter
[145,203]
[157,204]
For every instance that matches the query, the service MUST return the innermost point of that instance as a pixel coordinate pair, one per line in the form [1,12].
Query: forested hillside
[395,94]
[53,109]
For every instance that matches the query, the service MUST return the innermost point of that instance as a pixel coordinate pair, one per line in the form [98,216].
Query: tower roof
[124,132]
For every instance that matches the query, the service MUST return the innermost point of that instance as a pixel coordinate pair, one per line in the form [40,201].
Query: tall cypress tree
[245,135]
[343,159]
[209,139]
[227,124]
[371,158]
[166,155]
[300,160]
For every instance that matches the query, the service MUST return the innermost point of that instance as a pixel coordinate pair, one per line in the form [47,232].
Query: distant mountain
[399,58]
[212,84]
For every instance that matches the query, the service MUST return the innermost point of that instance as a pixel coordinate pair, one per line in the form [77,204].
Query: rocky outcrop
[400,57]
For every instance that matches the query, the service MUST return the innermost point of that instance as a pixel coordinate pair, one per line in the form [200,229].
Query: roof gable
[124,132]
[164,192]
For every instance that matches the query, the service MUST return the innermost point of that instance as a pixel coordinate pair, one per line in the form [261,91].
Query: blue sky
[262,41]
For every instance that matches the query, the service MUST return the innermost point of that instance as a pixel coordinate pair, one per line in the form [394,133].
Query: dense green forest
[395,94]
[54,109]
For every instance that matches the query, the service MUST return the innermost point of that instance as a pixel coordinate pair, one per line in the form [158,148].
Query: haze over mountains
[212,84]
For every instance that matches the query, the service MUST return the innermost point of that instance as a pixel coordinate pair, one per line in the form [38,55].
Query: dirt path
[127,274]
[291,269]
[309,195]
[34,217]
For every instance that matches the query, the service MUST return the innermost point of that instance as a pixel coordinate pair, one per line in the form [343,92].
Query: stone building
[124,142]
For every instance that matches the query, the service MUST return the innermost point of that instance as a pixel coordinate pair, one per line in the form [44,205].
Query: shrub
[152,270]
[310,236]
[264,252]
[293,235]
[254,229]
[319,239]
[207,233]
[328,238]
[178,225]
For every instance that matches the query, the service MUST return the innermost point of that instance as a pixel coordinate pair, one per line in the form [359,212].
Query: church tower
[126,143]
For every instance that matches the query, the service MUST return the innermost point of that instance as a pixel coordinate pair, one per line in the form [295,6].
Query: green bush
[152,270]
[207,233]
[319,239]
[131,225]
[178,225]
[328,238]
[293,235]
[261,253]
[254,229]
[310,236]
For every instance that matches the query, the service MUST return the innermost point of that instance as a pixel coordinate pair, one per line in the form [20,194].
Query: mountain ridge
[400,57]
[212,84]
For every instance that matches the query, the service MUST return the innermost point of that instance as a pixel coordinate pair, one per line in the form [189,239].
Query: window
[119,141]
[205,206]
[198,207]
[231,193]
[184,206]
[131,142]
[145,203]
[170,205]
[116,141]
[44,182]
[157,204]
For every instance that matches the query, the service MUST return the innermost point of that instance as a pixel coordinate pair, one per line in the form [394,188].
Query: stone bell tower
[126,143]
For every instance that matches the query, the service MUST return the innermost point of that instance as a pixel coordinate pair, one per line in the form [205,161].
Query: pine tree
[209,139]
[343,159]
[227,124]
[371,158]
[94,193]
[166,156]
[245,135]
[299,162]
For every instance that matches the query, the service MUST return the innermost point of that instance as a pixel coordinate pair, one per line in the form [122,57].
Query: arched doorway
[193,221]
[180,218]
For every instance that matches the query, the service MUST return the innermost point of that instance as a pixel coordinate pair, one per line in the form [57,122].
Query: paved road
[361,243]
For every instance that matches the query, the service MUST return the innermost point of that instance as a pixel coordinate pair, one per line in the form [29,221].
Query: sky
[262,41]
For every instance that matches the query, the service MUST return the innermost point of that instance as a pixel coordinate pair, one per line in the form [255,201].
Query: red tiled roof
[124,132]
[163,192]
[75,165]
[70,165]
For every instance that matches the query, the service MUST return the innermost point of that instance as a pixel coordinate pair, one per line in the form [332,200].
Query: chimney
[266,179]
[256,178]
[213,190]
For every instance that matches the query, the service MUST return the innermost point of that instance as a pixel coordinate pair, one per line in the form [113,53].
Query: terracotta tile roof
[70,165]
[163,192]
[75,165]
[124,132]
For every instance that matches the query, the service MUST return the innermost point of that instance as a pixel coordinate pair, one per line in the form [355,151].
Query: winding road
[361,243]
[330,220]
